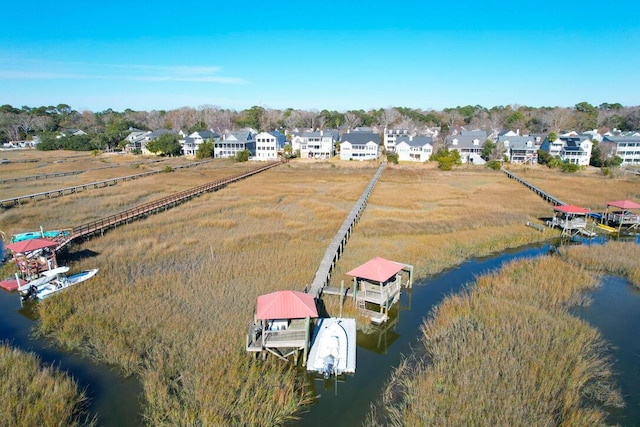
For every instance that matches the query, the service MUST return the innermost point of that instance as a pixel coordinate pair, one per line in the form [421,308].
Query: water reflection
[113,400]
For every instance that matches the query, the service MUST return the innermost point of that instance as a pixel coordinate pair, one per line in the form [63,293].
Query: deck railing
[112,221]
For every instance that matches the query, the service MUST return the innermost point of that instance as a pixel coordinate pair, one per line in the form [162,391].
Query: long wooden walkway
[336,247]
[112,221]
[546,196]
[15,201]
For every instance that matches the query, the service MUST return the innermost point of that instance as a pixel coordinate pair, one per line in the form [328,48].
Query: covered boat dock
[282,325]
[571,219]
[621,215]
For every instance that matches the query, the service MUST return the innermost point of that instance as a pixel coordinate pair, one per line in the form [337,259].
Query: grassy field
[37,395]
[507,352]
[176,291]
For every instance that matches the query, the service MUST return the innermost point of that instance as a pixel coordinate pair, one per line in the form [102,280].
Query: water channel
[115,401]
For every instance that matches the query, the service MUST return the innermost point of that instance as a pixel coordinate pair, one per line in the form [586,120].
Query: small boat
[606,228]
[52,234]
[46,277]
[57,284]
[332,352]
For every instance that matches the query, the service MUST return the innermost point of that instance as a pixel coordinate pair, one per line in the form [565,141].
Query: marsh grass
[176,290]
[506,352]
[37,395]
[618,258]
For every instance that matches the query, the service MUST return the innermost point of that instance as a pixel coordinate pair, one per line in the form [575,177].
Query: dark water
[113,400]
[615,311]
[347,403]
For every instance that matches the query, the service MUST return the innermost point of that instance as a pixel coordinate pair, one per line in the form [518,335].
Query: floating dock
[349,327]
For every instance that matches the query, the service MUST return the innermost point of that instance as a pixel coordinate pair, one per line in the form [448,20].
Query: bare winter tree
[182,118]
[351,120]
[294,120]
[270,119]
[12,131]
[155,120]
[558,119]
[389,117]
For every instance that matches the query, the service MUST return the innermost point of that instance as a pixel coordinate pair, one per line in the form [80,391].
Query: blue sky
[337,55]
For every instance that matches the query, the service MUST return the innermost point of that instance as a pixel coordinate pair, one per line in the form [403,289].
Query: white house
[269,145]
[359,146]
[191,142]
[316,145]
[627,147]
[570,147]
[391,135]
[414,148]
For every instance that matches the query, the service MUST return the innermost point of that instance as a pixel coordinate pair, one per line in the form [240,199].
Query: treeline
[108,128]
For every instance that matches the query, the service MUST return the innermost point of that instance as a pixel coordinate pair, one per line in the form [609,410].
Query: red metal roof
[30,245]
[286,305]
[624,204]
[378,269]
[570,209]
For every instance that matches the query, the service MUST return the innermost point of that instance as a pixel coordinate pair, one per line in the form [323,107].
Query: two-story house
[234,142]
[627,147]
[570,147]
[359,145]
[468,144]
[414,148]
[191,142]
[519,149]
[316,145]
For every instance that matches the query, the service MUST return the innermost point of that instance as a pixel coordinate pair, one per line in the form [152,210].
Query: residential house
[191,142]
[71,132]
[414,148]
[468,144]
[519,149]
[570,147]
[234,142]
[152,136]
[391,135]
[359,145]
[269,145]
[134,140]
[627,147]
[316,145]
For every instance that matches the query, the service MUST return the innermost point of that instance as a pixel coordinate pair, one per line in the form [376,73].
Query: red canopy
[286,305]
[31,245]
[624,204]
[570,209]
[378,270]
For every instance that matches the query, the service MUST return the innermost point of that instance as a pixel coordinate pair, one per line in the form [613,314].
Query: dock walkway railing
[112,221]
[336,247]
[14,201]
[546,196]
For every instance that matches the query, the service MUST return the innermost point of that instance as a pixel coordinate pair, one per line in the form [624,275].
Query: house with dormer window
[468,144]
[191,143]
[414,148]
[519,149]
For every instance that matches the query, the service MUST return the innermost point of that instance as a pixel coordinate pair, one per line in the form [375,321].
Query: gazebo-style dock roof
[378,282]
[282,324]
[571,219]
[33,256]
[624,217]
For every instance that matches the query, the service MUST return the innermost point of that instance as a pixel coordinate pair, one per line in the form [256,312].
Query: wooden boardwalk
[16,201]
[336,247]
[546,196]
[112,221]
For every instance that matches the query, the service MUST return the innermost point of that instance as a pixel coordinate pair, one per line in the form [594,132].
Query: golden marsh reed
[36,395]
[176,290]
[506,352]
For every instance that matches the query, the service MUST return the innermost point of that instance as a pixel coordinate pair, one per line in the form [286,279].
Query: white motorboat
[46,277]
[59,283]
[332,352]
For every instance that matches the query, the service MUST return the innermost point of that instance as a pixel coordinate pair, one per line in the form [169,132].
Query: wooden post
[355,288]
[307,325]
[341,296]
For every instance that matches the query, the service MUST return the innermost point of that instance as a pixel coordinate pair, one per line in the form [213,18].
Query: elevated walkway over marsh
[546,196]
[112,221]
[16,201]
[336,247]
